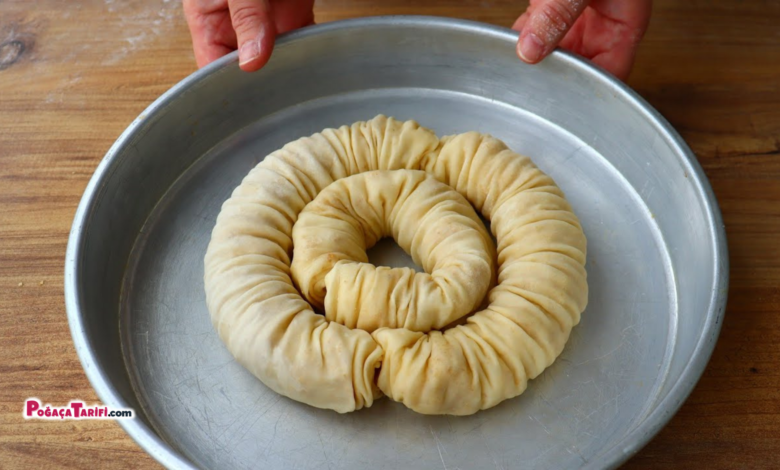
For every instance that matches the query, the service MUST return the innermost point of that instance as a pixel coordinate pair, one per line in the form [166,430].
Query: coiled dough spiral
[272,331]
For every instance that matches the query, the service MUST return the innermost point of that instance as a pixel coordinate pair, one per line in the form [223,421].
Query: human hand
[604,31]
[219,27]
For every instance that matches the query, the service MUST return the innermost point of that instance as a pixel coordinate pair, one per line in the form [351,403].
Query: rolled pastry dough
[271,330]
[429,220]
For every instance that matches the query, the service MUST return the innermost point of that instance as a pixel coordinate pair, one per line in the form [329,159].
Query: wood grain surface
[74,74]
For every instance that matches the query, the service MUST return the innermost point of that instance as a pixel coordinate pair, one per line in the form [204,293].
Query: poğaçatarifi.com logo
[76,409]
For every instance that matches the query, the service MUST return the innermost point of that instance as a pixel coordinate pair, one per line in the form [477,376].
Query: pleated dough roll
[428,219]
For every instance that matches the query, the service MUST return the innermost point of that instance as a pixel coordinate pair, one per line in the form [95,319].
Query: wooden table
[74,74]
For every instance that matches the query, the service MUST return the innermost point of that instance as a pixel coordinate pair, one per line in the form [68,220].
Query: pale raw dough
[271,330]
[427,218]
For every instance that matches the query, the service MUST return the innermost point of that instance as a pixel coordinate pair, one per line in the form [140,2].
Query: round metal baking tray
[657,260]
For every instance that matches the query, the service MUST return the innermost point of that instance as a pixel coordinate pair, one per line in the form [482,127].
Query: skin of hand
[605,31]
[219,27]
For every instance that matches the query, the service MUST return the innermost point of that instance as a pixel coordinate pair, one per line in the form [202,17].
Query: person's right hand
[605,31]
[219,27]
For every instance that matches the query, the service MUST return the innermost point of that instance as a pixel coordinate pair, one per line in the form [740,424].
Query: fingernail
[249,51]
[531,48]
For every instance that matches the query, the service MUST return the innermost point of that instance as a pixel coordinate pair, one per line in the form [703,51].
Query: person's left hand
[604,31]
[219,27]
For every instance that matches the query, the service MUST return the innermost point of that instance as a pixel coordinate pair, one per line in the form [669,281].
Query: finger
[207,44]
[290,15]
[520,22]
[617,46]
[617,61]
[255,32]
[547,24]
[634,14]
[210,53]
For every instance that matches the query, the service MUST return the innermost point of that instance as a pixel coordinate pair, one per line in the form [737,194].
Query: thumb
[545,24]
[255,32]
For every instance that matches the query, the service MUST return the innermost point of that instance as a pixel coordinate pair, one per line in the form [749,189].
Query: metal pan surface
[657,260]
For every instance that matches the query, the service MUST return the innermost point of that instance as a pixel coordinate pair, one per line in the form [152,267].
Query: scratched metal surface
[656,259]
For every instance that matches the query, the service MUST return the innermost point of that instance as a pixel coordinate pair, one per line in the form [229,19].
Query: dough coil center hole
[387,253]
